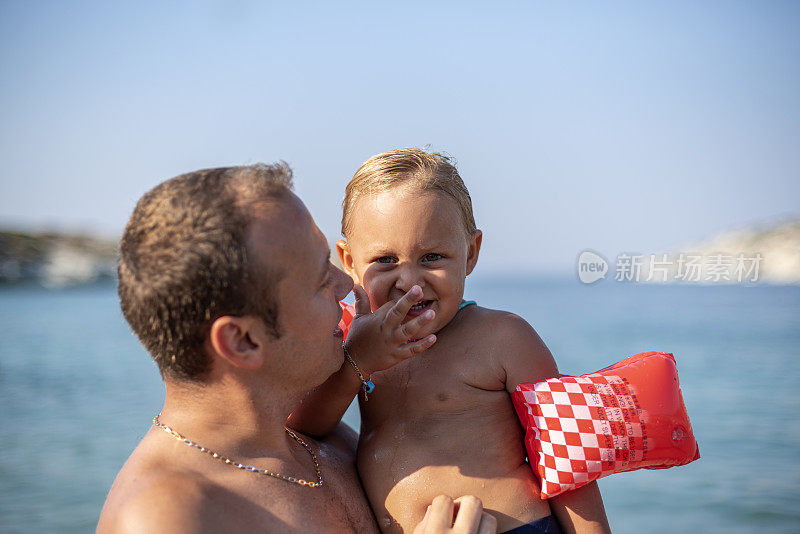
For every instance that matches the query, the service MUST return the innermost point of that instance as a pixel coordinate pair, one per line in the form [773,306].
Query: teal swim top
[465,303]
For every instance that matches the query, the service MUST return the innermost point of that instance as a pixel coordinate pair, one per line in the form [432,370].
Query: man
[225,279]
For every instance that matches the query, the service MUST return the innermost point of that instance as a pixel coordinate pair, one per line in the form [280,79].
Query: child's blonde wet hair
[426,171]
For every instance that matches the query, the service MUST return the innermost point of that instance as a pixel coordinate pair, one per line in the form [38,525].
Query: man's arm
[527,359]
[376,341]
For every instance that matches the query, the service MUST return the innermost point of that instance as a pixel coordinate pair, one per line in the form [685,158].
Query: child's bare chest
[449,378]
[441,424]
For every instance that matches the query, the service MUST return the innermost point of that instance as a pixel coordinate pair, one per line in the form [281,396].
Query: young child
[441,421]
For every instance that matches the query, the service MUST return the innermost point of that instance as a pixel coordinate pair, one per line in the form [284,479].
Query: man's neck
[231,417]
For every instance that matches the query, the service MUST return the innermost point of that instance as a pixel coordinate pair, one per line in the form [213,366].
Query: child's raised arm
[526,358]
[375,341]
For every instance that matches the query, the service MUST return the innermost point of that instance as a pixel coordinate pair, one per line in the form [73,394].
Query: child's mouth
[419,308]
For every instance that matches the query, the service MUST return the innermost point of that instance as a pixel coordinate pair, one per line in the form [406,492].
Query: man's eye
[432,257]
[385,259]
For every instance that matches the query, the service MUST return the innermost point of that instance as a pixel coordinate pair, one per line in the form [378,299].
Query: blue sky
[616,126]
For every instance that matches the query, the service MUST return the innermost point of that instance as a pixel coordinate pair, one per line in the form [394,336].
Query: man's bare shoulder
[158,491]
[161,503]
[150,496]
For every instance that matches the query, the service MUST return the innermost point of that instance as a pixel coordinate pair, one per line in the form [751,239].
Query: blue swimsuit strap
[465,303]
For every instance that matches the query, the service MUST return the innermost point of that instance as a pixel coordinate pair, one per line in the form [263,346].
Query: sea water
[78,392]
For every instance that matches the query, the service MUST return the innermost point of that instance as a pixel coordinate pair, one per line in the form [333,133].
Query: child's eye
[432,257]
[384,259]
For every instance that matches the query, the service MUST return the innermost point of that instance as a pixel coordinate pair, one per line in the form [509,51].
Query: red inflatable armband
[348,312]
[627,416]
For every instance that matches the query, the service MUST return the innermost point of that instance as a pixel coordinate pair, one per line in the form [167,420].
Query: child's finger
[400,308]
[412,348]
[362,300]
[418,327]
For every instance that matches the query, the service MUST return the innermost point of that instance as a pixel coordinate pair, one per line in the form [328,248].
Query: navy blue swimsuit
[545,525]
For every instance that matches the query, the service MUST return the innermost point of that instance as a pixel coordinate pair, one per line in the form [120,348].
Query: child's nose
[408,277]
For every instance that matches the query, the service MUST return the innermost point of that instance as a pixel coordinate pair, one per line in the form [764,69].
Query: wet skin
[240,409]
[441,422]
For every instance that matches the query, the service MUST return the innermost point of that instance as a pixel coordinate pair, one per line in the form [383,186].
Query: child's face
[405,237]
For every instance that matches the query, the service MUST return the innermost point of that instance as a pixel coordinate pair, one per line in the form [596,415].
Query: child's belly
[405,464]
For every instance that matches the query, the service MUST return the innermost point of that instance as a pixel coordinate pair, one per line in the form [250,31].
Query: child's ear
[238,341]
[345,258]
[473,250]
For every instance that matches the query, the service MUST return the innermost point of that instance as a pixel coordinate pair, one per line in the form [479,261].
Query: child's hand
[380,340]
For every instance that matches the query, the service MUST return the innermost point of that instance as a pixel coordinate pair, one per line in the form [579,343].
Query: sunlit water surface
[78,392]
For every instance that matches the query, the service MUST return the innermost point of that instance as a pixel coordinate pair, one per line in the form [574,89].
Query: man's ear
[345,258]
[473,250]
[235,340]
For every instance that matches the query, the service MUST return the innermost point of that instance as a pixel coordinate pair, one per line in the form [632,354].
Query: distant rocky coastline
[55,260]
[768,252]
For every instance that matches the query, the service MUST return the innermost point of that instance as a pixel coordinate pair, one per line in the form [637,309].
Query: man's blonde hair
[427,171]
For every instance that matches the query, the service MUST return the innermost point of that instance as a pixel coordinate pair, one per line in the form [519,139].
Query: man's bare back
[443,423]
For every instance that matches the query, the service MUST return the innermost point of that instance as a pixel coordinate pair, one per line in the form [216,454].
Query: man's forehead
[270,207]
[286,228]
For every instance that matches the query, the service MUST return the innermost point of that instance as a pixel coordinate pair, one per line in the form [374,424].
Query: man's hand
[379,340]
[465,515]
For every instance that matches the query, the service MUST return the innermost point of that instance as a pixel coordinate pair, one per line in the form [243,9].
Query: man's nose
[407,277]
[343,283]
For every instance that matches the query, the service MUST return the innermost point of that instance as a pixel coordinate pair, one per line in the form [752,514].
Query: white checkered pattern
[580,428]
